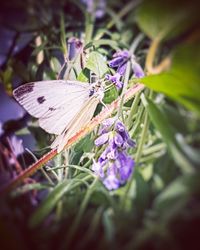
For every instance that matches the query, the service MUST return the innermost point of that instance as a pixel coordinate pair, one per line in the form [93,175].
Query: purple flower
[116,62]
[119,60]
[115,79]
[137,69]
[102,139]
[112,154]
[127,164]
[120,128]
[111,182]
[122,53]
[114,165]
[74,47]
[118,140]
[96,167]
[122,69]
[106,125]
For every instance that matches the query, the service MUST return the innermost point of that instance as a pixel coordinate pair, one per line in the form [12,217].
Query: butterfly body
[62,107]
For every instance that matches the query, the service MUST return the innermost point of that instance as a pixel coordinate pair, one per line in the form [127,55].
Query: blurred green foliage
[65,205]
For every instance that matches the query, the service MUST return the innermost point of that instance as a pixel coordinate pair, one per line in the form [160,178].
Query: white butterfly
[62,107]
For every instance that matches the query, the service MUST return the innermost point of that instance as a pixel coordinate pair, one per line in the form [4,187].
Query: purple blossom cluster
[119,61]
[114,166]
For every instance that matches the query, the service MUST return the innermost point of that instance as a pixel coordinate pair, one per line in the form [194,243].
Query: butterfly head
[97,89]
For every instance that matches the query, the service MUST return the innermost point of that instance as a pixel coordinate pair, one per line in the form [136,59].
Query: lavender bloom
[111,182]
[137,69]
[74,46]
[119,61]
[115,79]
[96,167]
[114,166]
[101,139]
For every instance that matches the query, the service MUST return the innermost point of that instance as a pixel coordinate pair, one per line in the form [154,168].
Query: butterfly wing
[55,102]
[81,118]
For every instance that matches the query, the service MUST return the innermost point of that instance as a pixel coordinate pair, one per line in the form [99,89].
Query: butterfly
[62,106]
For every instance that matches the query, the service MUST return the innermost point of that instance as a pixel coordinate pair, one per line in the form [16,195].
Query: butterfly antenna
[104,104]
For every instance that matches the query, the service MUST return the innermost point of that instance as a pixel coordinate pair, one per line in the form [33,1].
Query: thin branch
[79,135]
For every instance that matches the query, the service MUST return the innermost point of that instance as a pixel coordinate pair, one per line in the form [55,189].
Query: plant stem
[133,47]
[123,12]
[89,27]
[143,137]
[133,110]
[81,211]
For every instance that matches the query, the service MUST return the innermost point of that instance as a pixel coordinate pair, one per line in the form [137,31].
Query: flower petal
[111,182]
[97,168]
[102,139]
[118,140]
[137,69]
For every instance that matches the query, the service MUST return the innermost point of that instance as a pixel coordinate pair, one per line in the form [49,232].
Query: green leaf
[84,76]
[101,42]
[169,135]
[166,18]
[108,224]
[97,64]
[49,203]
[84,144]
[177,191]
[182,82]
[142,190]
[176,194]
[110,95]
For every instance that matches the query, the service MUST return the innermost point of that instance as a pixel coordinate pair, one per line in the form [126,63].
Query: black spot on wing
[24,89]
[52,109]
[41,99]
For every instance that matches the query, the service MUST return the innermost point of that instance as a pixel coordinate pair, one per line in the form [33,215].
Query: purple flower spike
[114,166]
[102,139]
[137,69]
